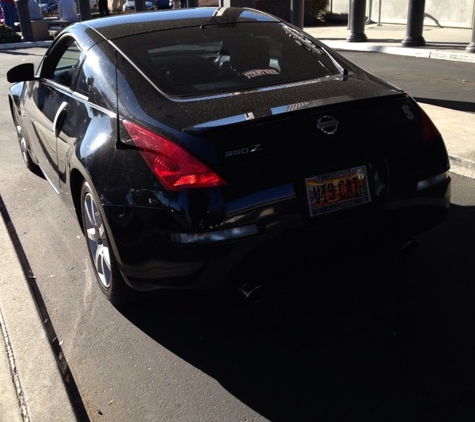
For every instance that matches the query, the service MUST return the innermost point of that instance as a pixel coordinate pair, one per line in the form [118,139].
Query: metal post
[370,12]
[471,47]
[415,24]
[379,14]
[349,13]
[296,12]
[357,21]
[25,21]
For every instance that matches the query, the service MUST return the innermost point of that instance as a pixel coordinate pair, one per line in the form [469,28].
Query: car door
[51,98]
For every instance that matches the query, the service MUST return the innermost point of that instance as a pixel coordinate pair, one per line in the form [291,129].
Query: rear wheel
[105,264]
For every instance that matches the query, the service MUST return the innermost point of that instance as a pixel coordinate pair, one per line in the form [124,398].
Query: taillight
[429,130]
[176,168]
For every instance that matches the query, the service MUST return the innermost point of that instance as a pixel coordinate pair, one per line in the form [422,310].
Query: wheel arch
[10,103]
[14,102]
[76,181]
[14,95]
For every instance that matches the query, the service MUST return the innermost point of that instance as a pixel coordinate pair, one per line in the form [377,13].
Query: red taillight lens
[176,168]
[429,130]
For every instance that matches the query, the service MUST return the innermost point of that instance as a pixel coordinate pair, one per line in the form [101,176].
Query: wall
[455,14]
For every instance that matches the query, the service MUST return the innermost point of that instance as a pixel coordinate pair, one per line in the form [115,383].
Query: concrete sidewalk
[440,43]
[31,384]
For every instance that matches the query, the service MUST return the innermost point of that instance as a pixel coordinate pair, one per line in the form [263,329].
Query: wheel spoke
[88,210]
[97,240]
[102,263]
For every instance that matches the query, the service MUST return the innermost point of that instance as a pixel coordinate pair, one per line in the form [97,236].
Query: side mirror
[22,72]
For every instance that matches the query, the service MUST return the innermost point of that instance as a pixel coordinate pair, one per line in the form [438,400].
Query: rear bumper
[153,262]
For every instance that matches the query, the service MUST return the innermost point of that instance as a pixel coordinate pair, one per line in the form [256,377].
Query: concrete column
[296,12]
[471,47]
[25,21]
[415,24]
[357,21]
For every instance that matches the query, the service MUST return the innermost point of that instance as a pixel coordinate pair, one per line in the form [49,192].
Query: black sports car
[187,140]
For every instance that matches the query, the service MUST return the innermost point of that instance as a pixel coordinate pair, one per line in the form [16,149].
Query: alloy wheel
[97,240]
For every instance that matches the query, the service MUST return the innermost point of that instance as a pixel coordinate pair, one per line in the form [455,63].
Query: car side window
[85,79]
[67,65]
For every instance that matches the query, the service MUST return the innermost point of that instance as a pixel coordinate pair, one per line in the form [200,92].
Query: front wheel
[104,262]
[24,148]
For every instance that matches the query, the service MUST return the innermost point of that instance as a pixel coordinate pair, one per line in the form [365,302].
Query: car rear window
[214,59]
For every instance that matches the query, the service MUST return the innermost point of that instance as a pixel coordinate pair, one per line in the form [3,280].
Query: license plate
[337,190]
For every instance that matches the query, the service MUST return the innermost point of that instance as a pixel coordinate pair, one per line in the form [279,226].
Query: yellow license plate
[337,190]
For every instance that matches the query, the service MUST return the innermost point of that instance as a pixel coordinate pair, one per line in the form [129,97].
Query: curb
[425,52]
[462,166]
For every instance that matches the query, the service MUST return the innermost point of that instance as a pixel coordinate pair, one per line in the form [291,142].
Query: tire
[30,165]
[105,264]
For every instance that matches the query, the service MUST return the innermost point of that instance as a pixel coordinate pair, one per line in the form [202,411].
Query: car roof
[120,26]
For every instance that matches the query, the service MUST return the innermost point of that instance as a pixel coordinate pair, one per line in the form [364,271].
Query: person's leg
[10,15]
[103,8]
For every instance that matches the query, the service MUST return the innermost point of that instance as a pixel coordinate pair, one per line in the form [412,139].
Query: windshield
[226,58]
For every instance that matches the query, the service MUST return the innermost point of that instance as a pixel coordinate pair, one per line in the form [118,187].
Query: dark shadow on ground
[454,105]
[439,45]
[345,336]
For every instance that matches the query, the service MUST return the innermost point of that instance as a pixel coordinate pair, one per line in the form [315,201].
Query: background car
[187,142]
[48,7]
[164,4]
[130,5]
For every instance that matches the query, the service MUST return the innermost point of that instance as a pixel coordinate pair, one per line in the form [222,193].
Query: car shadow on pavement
[454,105]
[355,337]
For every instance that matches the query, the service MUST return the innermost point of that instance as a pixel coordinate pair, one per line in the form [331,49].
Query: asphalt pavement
[35,385]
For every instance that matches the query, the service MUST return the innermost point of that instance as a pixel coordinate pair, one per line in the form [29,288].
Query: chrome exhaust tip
[253,292]
[409,246]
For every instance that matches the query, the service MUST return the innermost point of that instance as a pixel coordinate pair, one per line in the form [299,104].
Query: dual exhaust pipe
[409,245]
[253,292]
[256,292]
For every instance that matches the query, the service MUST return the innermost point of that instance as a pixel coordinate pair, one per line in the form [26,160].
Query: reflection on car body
[185,141]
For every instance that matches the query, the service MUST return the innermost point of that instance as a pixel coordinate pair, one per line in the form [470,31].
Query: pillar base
[414,41]
[357,37]
[470,48]
[235,3]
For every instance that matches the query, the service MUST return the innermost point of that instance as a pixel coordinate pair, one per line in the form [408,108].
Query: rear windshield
[225,58]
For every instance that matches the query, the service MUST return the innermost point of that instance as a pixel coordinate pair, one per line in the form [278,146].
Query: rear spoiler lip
[274,111]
